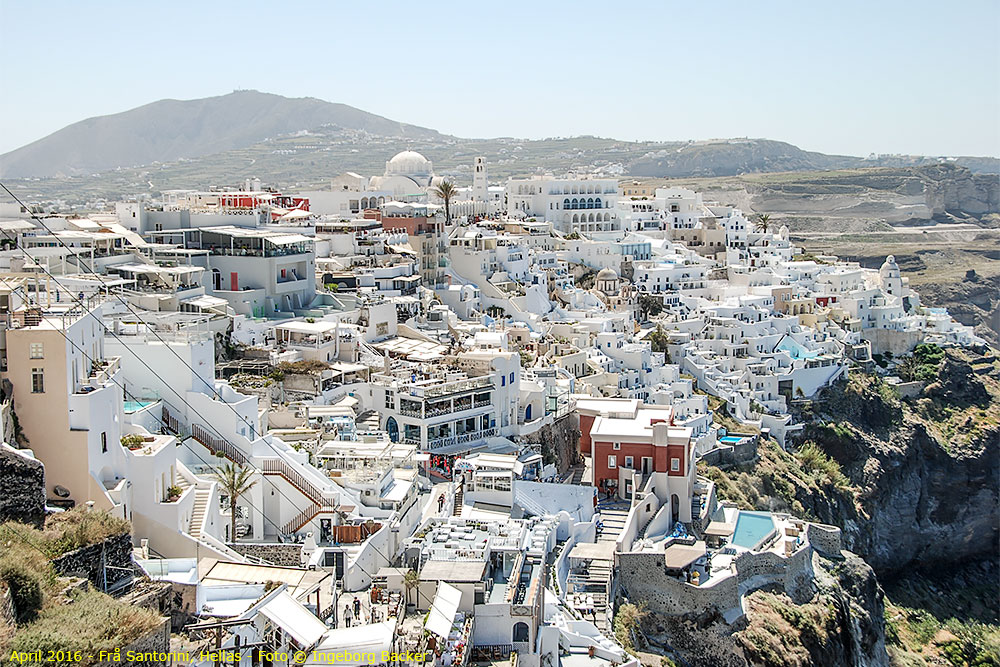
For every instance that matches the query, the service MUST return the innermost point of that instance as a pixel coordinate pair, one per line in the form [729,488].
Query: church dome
[607,274]
[408,163]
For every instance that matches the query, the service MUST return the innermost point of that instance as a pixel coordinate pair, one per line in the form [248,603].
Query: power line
[126,393]
[143,362]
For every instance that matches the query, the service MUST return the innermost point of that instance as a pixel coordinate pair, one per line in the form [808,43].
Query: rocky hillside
[910,482]
[843,625]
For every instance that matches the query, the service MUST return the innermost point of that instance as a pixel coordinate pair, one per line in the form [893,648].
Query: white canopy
[357,645]
[443,610]
[297,621]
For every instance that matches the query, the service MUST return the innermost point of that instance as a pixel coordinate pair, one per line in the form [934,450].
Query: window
[675,464]
[512,378]
[36,351]
[612,461]
[617,446]
[628,462]
[37,381]
[104,442]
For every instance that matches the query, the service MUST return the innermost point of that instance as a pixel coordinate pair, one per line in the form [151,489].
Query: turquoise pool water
[752,528]
[731,439]
[135,406]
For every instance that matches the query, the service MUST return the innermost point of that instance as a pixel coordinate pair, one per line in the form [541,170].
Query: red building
[628,450]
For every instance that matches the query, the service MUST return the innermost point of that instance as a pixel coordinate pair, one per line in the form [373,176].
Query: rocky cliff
[842,625]
[923,473]
[911,483]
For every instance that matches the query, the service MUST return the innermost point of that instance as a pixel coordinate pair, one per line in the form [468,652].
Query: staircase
[612,523]
[201,497]
[459,500]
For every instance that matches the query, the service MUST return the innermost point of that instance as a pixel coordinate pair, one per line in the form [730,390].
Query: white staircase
[201,497]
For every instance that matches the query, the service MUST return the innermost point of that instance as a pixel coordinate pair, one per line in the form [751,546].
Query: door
[647,465]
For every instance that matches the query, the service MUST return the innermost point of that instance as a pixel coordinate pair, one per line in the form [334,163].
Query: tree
[234,481]
[650,306]
[446,192]
[628,624]
[763,223]
[410,581]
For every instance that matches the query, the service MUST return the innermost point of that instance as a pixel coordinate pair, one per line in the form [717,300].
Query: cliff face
[924,472]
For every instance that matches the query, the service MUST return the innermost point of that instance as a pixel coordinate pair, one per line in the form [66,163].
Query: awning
[679,556]
[442,614]
[357,645]
[297,621]
[205,301]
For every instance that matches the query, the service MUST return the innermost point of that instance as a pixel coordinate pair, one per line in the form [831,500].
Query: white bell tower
[480,189]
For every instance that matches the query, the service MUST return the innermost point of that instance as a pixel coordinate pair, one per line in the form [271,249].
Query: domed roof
[406,163]
[607,274]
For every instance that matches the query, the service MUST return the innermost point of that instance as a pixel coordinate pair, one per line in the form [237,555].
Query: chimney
[660,432]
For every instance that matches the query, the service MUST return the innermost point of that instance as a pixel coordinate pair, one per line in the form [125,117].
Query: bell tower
[480,189]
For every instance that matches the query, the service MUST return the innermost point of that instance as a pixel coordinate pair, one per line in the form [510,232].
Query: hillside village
[417,421]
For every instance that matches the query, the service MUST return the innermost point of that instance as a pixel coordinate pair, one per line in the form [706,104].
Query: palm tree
[763,222]
[410,580]
[446,191]
[234,481]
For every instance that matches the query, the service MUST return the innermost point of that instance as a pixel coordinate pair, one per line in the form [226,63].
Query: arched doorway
[527,413]
[392,428]
[520,633]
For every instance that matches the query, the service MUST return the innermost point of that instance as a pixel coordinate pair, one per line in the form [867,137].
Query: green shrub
[25,590]
[132,441]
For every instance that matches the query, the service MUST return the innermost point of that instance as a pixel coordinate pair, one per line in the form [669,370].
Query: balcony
[101,372]
[462,438]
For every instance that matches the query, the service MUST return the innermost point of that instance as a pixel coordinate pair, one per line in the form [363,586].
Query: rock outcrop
[926,489]
[842,625]
[22,488]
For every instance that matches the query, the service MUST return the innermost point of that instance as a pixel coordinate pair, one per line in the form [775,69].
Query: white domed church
[408,175]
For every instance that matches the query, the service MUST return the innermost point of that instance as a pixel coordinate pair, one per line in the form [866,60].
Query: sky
[846,77]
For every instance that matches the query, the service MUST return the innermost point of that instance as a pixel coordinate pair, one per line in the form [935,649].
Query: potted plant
[174,493]
[132,441]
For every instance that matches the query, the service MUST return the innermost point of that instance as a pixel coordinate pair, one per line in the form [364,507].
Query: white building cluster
[404,387]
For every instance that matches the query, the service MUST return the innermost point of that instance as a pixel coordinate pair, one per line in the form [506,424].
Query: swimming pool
[135,406]
[731,439]
[752,528]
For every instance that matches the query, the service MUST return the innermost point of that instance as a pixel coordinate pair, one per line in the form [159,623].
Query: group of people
[352,614]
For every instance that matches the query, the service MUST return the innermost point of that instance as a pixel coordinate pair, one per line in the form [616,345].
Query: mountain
[169,130]
[727,157]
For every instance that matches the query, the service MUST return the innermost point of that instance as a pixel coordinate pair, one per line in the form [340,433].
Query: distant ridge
[173,129]
[229,133]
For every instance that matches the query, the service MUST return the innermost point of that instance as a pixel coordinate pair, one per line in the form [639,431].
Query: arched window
[520,633]
[590,202]
[392,428]
[566,203]
[381,200]
[597,202]
[576,218]
[574,190]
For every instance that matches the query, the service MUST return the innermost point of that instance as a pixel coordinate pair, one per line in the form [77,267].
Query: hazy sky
[839,77]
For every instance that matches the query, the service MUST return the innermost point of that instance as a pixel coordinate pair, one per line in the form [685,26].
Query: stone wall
[22,488]
[285,555]
[728,455]
[111,558]
[7,621]
[824,539]
[643,577]
[909,389]
[156,641]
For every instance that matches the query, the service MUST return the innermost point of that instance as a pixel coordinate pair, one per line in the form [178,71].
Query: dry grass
[89,622]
